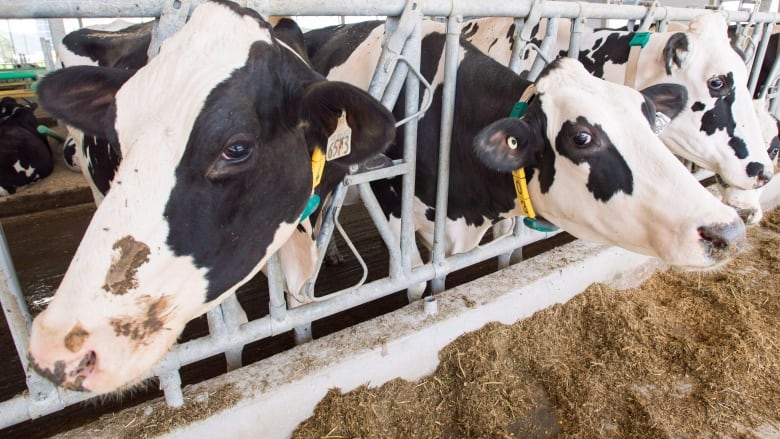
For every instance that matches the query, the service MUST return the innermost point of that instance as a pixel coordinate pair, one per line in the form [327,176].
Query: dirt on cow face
[683,355]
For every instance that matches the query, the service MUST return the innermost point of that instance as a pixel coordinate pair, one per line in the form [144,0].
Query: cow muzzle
[721,241]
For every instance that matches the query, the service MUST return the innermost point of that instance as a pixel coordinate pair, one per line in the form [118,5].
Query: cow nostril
[723,239]
[86,365]
[763,178]
[747,215]
[712,237]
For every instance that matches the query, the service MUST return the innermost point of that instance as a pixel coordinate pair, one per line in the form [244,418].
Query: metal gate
[398,65]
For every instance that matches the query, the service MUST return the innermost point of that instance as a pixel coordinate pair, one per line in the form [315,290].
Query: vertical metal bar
[515,59]
[452,48]
[412,52]
[12,299]
[44,396]
[375,211]
[57,31]
[578,24]
[770,78]
[170,380]
[174,15]
[277,306]
[549,42]
[765,34]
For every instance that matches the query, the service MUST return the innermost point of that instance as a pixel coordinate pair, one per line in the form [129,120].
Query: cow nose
[748,214]
[722,239]
[68,373]
[763,178]
[760,172]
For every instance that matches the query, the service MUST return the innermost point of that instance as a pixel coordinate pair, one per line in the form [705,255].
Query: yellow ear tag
[317,166]
[340,142]
[521,191]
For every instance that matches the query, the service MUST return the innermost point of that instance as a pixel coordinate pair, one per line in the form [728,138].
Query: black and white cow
[747,202]
[118,44]
[25,156]
[718,130]
[595,166]
[217,134]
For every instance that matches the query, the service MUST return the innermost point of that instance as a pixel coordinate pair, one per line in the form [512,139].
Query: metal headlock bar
[229,329]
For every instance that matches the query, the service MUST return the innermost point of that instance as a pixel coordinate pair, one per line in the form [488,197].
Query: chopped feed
[685,355]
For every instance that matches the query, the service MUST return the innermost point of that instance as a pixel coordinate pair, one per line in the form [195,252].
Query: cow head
[718,129]
[610,179]
[748,202]
[216,134]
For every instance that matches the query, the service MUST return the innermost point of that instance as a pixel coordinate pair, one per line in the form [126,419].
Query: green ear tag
[640,39]
[539,224]
[518,109]
[314,201]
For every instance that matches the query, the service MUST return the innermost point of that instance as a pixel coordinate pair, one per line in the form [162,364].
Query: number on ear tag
[340,142]
[661,121]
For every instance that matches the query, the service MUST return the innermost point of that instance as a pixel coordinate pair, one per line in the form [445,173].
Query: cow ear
[669,99]
[506,145]
[330,109]
[676,51]
[83,96]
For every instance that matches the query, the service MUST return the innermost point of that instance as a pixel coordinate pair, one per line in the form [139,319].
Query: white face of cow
[748,202]
[216,134]
[610,179]
[718,129]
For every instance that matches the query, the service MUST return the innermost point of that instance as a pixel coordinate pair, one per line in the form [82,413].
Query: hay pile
[684,355]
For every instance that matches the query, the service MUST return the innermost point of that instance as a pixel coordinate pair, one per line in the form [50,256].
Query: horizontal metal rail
[439,8]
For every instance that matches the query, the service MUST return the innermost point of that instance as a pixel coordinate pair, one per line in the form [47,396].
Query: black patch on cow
[495,40]
[698,106]
[69,152]
[754,168]
[103,161]
[720,116]
[609,172]
[209,218]
[430,214]
[470,29]
[673,51]
[648,110]
[669,99]
[774,147]
[124,49]
[331,46]
[613,48]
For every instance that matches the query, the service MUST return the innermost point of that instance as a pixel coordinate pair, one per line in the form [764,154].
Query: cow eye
[236,152]
[715,83]
[582,138]
[512,142]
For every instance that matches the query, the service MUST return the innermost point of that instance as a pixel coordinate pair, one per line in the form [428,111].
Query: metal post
[172,17]
[452,49]
[549,43]
[765,34]
[412,52]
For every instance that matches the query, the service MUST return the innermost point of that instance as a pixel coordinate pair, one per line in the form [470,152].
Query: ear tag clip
[317,168]
[340,142]
[518,176]
[661,121]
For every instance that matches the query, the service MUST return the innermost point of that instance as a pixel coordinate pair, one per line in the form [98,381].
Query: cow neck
[518,175]
[637,43]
